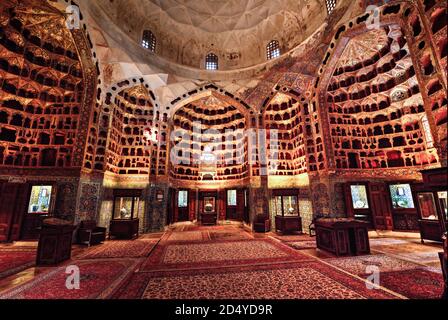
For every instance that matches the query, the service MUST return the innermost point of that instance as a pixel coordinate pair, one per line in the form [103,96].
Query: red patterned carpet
[120,249]
[221,262]
[171,255]
[14,261]
[404,277]
[98,279]
[300,280]
[415,283]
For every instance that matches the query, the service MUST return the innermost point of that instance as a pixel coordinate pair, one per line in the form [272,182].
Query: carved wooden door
[381,209]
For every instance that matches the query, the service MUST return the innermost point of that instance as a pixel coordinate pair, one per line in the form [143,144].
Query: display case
[403,206]
[431,199]
[285,209]
[209,216]
[358,202]
[40,207]
[125,222]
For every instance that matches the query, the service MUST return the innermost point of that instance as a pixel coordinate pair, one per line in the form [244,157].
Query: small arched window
[149,40]
[331,5]
[273,50]
[211,62]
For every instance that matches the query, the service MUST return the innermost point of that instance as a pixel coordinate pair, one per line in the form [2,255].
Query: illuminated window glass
[273,50]
[231,197]
[149,41]
[40,199]
[401,195]
[126,207]
[182,199]
[359,197]
[284,206]
[427,131]
[331,4]
[211,62]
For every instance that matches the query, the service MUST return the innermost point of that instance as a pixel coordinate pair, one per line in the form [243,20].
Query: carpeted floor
[14,261]
[98,279]
[120,249]
[169,256]
[224,262]
[297,280]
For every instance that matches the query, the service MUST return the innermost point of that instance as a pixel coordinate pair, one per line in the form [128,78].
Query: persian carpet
[120,249]
[187,236]
[404,277]
[300,245]
[219,254]
[98,279]
[225,235]
[302,280]
[14,261]
[358,265]
[414,284]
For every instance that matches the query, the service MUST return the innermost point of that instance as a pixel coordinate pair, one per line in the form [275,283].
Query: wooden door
[171,206]
[381,211]
[13,200]
[183,211]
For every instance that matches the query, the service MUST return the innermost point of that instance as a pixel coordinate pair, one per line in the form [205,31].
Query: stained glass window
[231,197]
[331,5]
[401,195]
[359,197]
[211,62]
[273,50]
[149,41]
[182,200]
[40,199]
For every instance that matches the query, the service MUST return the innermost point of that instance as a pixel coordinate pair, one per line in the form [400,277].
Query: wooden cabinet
[55,242]
[431,202]
[288,224]
[343,237]
[124,228]
[209,218]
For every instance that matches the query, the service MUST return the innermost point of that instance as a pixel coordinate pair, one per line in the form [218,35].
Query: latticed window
[331,4]
[273,50]
[149,40]
[211,62]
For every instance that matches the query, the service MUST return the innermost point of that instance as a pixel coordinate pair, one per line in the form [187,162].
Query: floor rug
[414,252]
[225,235]
[219,254]
[359,264]
[98,279]
[12,262]
[414,284]
[293,237]
[301,245]
[187,236]
[120,249]
[307,280]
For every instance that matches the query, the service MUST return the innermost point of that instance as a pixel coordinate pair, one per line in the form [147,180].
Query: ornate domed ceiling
[237,31]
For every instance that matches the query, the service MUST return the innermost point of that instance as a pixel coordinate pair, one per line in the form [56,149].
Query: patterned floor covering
[120,249]
[300,280]
[174,255]
[99,279]
[411,251]
[407,278]
[226,262]
[14,261]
